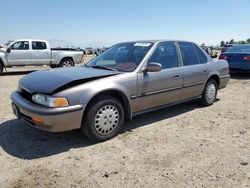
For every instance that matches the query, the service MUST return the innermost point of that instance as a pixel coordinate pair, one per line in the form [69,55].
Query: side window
[201,55]
[20,45]
[188,54]
[166,55]
[38,45]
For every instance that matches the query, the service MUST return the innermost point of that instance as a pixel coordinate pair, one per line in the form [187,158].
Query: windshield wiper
[102,67]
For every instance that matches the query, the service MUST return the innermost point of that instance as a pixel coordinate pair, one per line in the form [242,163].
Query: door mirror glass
[153,67]
[8,50]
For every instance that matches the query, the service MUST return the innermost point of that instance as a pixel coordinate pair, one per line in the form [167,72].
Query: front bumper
[55,119]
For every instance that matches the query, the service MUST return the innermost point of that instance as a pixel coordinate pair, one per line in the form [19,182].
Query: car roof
[41,40]
[156,41]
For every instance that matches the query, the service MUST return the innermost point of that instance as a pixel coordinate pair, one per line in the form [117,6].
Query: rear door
[195,70]
[40,53]
[160,88]
[20,54]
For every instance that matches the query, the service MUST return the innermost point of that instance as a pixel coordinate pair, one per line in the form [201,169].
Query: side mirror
[153,67]
[8,50]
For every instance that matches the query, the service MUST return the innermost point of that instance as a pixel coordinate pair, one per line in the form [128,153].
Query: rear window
[201,55]
[240,49]
[188,54]
[36,45]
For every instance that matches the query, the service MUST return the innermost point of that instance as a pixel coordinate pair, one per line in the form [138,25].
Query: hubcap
[106,119]
[67,63]
[211,92]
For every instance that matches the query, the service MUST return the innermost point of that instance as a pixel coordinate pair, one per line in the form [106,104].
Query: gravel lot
[182,146]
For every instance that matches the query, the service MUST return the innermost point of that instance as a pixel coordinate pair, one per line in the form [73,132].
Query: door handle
[177,76]
[205,71]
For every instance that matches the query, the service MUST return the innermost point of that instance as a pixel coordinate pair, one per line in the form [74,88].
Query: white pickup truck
[37,52]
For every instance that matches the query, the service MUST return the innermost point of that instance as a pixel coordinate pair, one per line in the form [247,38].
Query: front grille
[25,94]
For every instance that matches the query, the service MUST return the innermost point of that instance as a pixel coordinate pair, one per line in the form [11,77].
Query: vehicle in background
[98,51]
[37,52]
[226,47]
[89,51]
[209,51]
[129,79]
[238,57]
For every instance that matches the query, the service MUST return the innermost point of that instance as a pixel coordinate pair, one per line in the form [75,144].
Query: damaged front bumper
[48,119]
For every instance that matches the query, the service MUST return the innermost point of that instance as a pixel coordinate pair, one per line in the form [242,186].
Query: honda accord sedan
[128,79]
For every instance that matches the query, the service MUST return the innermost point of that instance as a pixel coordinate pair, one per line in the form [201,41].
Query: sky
[89,22]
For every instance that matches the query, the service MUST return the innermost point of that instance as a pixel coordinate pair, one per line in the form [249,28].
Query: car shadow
[240,75]
[16,73]
[25,142]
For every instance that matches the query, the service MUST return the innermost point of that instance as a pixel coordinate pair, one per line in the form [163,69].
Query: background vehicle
[37,52]
[226,47]
[128,79]
[89,51]
[238,57]
[209,51]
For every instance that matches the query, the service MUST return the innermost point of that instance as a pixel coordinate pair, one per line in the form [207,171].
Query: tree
[222,43]
[248,41]
[241,42]
[232,41]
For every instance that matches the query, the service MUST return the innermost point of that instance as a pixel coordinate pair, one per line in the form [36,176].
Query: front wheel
[66,63]
[104,119]
[210,93]
[1,68]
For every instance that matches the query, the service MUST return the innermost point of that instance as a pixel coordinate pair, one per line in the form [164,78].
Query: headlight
[49,101]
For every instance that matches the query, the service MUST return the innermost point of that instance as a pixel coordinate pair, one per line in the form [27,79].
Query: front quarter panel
[125,83]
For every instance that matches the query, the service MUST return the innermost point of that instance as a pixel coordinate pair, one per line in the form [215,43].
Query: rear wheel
[210,93]
[104,119]
[66,63]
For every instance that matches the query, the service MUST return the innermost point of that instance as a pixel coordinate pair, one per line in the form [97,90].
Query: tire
[210,93]
[104,119]
[1,68]
[53,66]
[66,63]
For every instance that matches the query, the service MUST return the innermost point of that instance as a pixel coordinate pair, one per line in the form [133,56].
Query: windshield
[240,49]
[123,57]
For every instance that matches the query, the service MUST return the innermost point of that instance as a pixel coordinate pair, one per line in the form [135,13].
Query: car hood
[55,80]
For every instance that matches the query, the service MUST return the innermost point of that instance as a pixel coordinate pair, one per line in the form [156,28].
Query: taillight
[246,58]
[224,57]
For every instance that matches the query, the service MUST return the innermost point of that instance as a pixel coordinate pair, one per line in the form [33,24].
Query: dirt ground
[182,146]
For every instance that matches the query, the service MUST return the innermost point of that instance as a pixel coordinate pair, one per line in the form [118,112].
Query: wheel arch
[216,78]
[1,62]
[116,94]
[68,57]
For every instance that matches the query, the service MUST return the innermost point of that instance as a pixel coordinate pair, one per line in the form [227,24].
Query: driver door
[160,88]
[19,54]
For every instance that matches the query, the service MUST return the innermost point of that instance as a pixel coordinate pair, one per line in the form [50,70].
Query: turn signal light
[224,57]
[38,120]
[60,102]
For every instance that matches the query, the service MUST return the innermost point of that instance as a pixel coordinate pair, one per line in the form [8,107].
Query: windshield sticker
[142,44]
